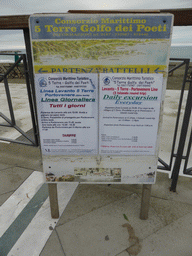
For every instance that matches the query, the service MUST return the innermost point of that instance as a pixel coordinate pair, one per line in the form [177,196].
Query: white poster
[129,113]
[68,113]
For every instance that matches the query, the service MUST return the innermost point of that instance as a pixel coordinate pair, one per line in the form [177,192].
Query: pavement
[95,220]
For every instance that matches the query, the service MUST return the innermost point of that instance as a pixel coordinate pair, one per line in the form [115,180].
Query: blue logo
[42,82]
[106,80]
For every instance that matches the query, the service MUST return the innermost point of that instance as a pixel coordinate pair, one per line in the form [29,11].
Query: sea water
[10,58]
[181,52]
[7,58]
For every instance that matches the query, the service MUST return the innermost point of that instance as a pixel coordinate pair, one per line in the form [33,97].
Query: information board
[129,113]
[100,83]
[68,113]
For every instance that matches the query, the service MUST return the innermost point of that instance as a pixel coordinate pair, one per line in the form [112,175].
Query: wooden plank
[113,11]
[14,22]
[182,17]
[53,200]
[145,201]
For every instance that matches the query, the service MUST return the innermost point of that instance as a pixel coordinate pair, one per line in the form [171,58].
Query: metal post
[186,62]
[31,77]
[145,201]
[31,105]
[9,101]
[185,169]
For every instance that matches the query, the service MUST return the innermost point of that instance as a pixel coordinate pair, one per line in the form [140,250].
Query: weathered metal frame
[11,122]
[179,155]
[182,140]
[31,82]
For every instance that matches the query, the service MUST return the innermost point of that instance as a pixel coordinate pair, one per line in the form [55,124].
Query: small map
[100,52]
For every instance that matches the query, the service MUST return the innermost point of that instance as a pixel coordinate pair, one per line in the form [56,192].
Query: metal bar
[17,128]
[31,77]
[173,69]
[30,99]
[185,170]
[183,157]
[6,119]
[12,122]
[6,125]
[24,134]
[162,168]
[8,53]
[179,111]
[180,59]
[166,166]
[11,68]
[184,62]
[182,140]
[188,171]
[9,101]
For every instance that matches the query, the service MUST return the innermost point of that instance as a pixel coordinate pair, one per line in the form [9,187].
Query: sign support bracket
[144,210]
[53,197]
[145,201]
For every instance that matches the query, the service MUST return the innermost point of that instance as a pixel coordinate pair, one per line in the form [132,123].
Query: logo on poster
[42,82]
[106,80]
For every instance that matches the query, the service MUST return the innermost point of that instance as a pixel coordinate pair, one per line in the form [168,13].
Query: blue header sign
[108,26]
